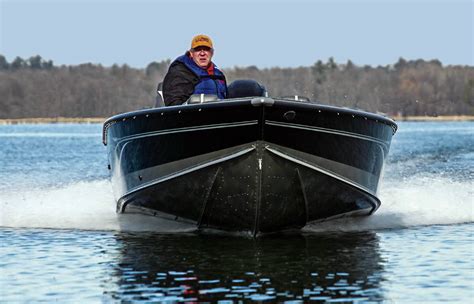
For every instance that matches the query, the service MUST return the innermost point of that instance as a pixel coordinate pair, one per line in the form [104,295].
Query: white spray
[90,206]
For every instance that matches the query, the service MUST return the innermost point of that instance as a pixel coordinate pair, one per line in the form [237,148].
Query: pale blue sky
[286,33]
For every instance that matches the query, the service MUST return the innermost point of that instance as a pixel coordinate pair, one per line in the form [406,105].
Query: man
[194,73]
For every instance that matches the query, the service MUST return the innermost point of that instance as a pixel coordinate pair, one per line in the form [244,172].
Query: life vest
[208,84]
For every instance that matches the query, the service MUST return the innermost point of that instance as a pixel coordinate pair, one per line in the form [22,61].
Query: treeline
[35,87]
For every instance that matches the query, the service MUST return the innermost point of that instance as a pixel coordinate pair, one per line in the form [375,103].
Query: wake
[84,205]
[415,201]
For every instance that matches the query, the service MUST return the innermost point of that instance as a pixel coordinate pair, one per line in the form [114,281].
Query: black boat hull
[258,165]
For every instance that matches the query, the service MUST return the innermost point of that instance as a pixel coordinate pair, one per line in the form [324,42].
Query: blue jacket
[208,84]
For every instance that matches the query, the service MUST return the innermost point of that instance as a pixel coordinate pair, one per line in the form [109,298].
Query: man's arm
[178,84]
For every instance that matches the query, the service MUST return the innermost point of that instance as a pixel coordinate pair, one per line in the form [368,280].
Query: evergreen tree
[47,65]
[3,63]
[35,62]
[331,64]
[18,63]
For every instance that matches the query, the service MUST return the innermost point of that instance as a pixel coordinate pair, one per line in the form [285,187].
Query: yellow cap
[201,40]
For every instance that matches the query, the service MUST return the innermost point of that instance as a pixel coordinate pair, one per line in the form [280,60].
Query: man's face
[202,56]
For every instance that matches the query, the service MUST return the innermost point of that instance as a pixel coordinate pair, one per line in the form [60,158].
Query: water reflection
[336,267]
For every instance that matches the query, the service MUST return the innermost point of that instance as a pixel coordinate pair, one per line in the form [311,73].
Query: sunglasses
[202,48]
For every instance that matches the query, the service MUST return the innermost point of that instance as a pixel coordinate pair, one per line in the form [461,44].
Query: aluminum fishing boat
[249,163]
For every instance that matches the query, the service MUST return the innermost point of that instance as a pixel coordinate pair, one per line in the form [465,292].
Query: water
[60,239]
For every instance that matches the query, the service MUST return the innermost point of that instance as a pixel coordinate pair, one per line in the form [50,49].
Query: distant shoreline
[88,120]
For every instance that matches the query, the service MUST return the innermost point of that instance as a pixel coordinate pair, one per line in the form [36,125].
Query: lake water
[60,239]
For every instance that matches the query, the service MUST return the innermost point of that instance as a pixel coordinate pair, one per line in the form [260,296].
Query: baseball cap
[201,40]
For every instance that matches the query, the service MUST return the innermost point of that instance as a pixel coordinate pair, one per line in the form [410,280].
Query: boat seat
[245,88]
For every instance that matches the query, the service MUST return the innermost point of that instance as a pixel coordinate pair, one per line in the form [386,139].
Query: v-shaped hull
[258,165]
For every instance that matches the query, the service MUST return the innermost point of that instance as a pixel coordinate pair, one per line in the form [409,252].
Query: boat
[250,163]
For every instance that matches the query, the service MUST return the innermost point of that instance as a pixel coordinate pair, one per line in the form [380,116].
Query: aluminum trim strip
[325,130]
[319,169]
[189,170]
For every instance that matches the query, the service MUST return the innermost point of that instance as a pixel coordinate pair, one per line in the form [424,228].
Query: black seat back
[245,88]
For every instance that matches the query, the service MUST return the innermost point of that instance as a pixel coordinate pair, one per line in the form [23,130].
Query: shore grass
[435,118]
[48,120]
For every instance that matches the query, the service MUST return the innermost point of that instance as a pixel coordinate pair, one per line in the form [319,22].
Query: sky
[264,33]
